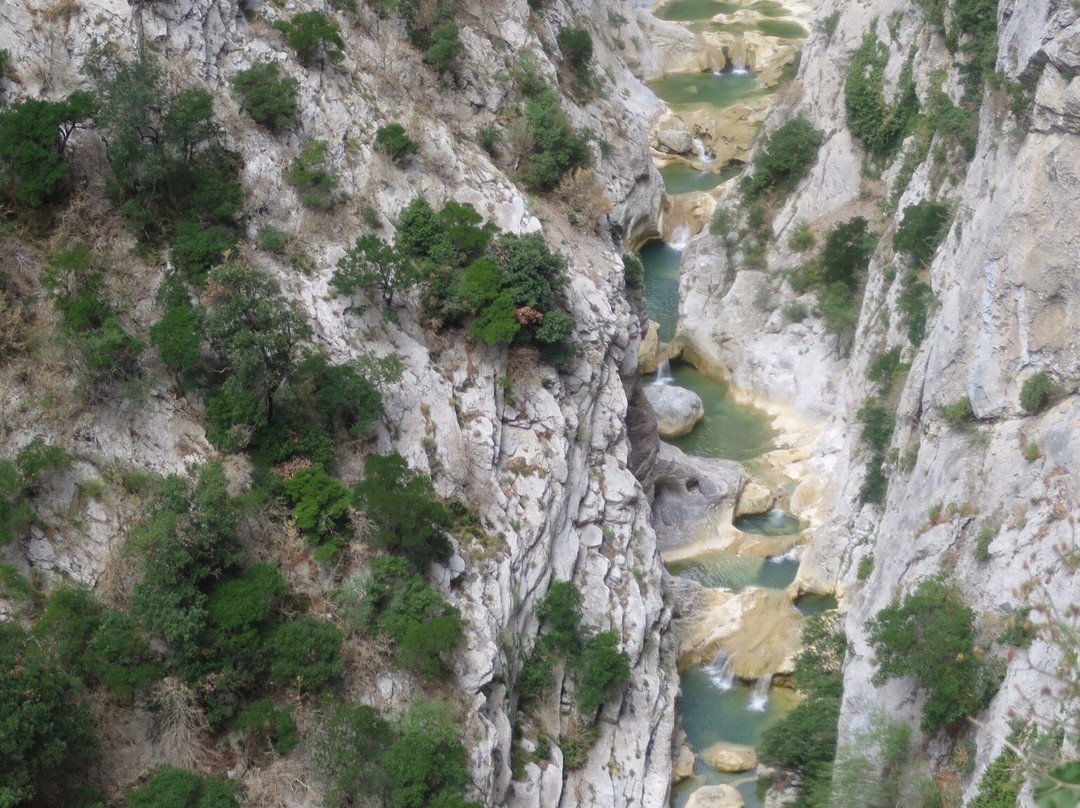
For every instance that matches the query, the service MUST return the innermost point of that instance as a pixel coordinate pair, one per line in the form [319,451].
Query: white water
[663,372]
[701,153]
[788,556]
[738,64]
[680,238]
[720,672]
[759,699]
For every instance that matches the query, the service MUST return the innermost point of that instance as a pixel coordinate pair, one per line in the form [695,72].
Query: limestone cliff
[1005,303]
[544,456]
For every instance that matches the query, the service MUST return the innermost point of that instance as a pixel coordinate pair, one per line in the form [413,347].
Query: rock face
[1007,303]
[677,409]
[675,141]
[730,757]
[550,470]
[692,490]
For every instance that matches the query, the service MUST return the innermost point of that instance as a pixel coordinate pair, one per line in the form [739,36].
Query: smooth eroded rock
[648,353]
[753,499]
[675,141]
[677,409]
[722,796]
[730,757]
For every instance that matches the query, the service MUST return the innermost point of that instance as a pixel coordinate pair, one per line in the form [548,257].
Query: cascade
[663,372]
[721,672]
[680,238]
[701,153]
[759,699]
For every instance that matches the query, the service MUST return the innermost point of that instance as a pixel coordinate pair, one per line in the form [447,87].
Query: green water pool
[810,603]
[730,572]
[769,8]
[683,178]
[782,29]
[695,9]
[661,262]
[696,90]
[730,430]
[774,523]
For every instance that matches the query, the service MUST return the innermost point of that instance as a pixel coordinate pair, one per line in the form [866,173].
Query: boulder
[675,141]
[753,499]
[730,757]
[677,409]
[722,796]
[683,765]
[689,489]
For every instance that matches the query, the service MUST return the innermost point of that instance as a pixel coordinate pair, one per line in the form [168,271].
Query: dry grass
[585,196]
[180,724]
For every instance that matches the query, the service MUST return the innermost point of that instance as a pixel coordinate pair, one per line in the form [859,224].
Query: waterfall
[720,672]
[680,237]
[738,59]
[663,372]
[759,699]
[701,153]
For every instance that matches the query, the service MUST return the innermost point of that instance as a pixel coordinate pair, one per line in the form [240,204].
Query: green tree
[1039,391]
[33,141]
[879,125]
[401,504]
[371,262]
[444,48]
[321,508]
[119,656]
[921,230]
[341,394]
[167,155]
[313,36]
[267,96]
[254,330]
[348,751]
[577,46]
[558,148]
[846,253]
[600,670]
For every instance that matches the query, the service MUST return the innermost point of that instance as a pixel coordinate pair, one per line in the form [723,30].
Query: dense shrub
[415,762]
[197,249]
[1000,784]
[178,334]
[921,230]
[392,139]
[405,515]
[885,367]
[1039,391]
[557,148]
[600,670]
[879,125]
[119,656]
[313,36]
[341,394]
[426,764]
[784,159]
[306,653]
[444,48]
[33,141]
[425,629]
[46,734]
[67,623]
[957,413]
[804,741]
[878,423]
[930,635]
[264,722]
[914,304]
[312,176]
[321,508]
[633,272]
[20,480]
[268,97]
[176,788]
